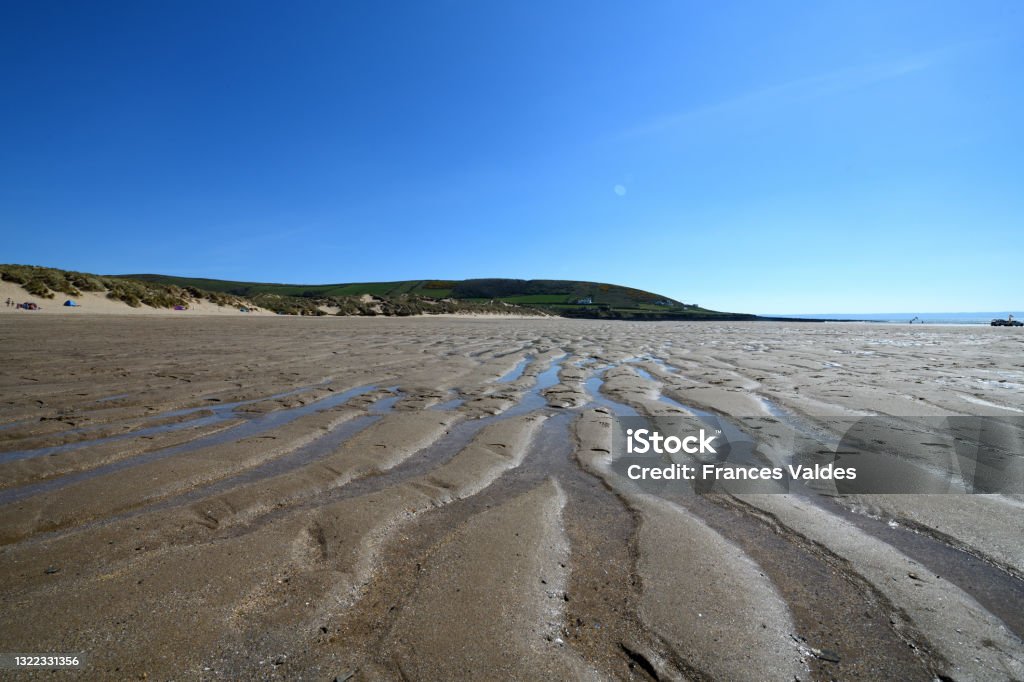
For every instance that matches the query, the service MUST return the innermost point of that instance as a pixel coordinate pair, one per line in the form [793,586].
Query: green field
[535,299]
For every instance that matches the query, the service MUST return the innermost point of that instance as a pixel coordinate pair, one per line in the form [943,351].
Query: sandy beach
[241,497]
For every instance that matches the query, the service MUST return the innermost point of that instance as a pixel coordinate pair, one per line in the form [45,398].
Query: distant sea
[926,318]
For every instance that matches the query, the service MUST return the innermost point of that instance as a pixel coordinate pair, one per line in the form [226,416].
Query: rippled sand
[432,499]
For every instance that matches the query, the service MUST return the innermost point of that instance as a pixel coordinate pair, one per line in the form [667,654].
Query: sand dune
[96,303]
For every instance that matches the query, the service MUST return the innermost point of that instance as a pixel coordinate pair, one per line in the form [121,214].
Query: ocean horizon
[905,318]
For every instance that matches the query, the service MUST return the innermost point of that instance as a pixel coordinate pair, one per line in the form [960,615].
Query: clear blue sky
[755,156]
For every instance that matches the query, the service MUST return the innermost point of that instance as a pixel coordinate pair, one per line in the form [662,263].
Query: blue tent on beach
[70,304]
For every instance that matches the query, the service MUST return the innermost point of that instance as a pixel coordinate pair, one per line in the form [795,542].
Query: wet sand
[363,499]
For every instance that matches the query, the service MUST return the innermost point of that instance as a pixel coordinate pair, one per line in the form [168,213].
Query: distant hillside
[565,298]
[413,297]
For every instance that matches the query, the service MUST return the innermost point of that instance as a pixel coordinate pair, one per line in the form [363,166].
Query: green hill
[564,298]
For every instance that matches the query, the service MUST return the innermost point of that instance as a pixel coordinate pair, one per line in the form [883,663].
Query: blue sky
[778,157]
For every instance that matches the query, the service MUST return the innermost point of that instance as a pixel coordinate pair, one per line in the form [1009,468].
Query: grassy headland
[562,298]
[565,298]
